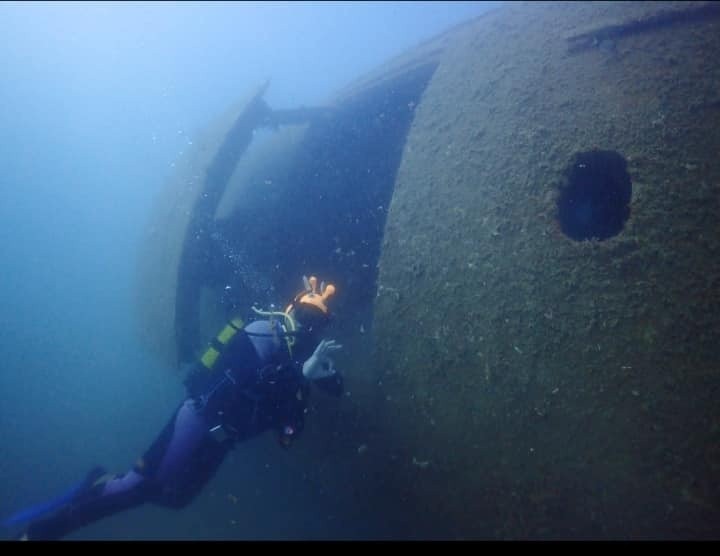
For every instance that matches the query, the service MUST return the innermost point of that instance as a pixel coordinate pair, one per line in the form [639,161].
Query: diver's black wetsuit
[261,388]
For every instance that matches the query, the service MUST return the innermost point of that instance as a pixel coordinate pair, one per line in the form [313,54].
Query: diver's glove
[319,364]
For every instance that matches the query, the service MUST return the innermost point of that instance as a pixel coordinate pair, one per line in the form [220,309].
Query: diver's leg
[171,472]
[184,458]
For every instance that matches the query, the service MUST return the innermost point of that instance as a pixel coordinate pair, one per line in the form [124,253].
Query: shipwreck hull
[559,387]
[524,359]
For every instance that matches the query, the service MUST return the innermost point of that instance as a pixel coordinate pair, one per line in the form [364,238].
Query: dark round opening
[594,203]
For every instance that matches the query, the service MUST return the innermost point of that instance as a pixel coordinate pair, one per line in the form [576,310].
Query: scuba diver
[252,378]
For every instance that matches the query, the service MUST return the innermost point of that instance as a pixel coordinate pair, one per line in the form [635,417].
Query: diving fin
[33,512]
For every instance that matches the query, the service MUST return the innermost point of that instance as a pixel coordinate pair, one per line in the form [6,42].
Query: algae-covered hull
[560,387]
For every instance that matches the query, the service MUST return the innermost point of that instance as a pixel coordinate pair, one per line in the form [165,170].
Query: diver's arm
[320,368]
[320,364]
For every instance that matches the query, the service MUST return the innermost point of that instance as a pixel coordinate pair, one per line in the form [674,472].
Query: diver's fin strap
[219,343]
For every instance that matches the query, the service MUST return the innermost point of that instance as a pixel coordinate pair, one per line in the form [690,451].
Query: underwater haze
[98,101]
